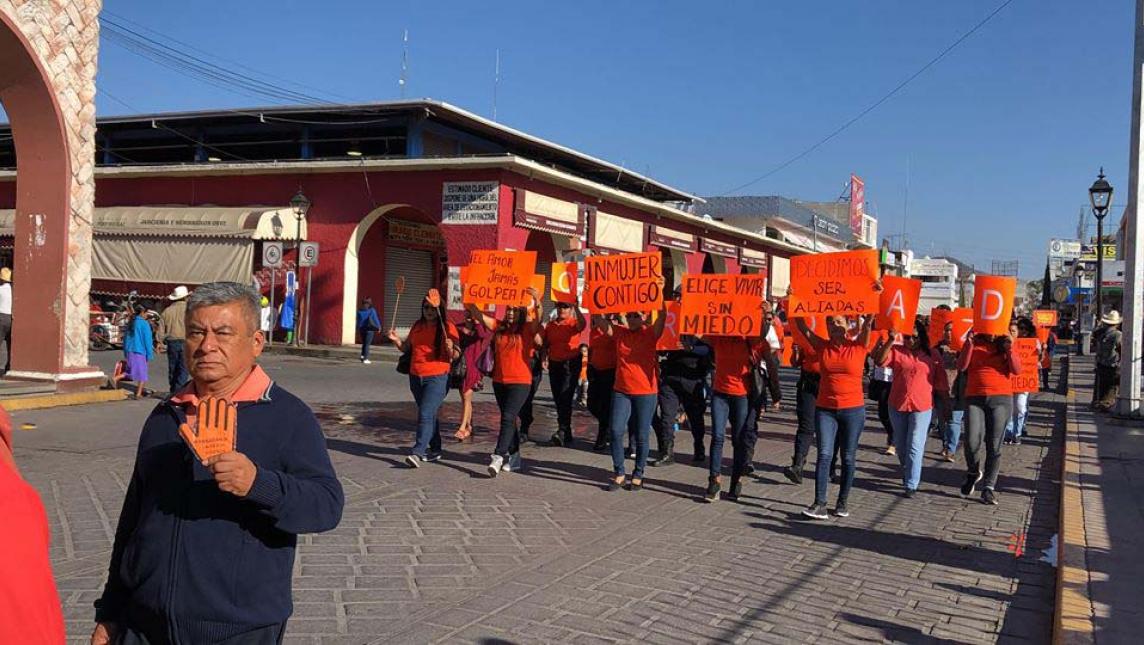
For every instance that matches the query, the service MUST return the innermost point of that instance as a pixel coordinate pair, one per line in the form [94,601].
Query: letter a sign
[898,304]
[993,304]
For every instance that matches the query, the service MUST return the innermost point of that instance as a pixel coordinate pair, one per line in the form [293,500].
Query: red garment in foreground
[29,604]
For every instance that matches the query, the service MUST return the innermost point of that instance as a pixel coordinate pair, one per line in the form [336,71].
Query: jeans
[600,385]
[985,423]
[6,338]
[806,393]
[1016,425]
[511,398]
[744,438]
[563,376]
[526,416]
[631,411]
[843,427]
[883,390]
[722,406]
[366,342]
[951,430]
[429,393]
[910,432]
[177,374]
[675,391]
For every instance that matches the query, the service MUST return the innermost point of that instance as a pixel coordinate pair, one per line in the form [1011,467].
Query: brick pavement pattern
[443,553]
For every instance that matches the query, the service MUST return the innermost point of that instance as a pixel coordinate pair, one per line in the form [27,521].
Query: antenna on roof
[496,85]
[404,62]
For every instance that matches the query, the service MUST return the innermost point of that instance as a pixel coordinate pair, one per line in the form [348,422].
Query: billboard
[857,204]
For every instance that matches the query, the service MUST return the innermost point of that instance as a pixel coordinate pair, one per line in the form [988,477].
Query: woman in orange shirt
[515,341]
[989,363]
[636,390]
[840,412]
[432,346]
[562,343]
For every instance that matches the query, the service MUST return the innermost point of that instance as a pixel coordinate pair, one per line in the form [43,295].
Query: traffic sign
[309,256]
[272,254]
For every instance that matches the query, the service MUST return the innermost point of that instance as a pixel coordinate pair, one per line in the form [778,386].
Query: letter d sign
[989,297]
[993,303]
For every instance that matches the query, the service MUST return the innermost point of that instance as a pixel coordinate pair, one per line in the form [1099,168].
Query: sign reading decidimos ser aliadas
[834,284]
[625,282]
[993,304]
[499,278]
[722,304]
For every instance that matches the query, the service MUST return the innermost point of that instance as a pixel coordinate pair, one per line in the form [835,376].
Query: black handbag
[404,362]
[458,371]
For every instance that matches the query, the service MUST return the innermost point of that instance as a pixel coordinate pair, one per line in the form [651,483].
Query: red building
[404,189]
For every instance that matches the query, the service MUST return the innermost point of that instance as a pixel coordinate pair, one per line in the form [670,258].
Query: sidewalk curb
[1073,615]
[60,400]
[342,353]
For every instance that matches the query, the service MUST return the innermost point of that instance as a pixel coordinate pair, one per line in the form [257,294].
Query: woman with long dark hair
[474,340]
[989,362]
[918,379]
[432,346]
[516,338]
[840,409]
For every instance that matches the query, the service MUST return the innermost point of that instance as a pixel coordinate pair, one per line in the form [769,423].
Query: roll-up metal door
[417,269]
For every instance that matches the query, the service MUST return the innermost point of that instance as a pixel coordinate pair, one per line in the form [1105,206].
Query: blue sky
[1002,138]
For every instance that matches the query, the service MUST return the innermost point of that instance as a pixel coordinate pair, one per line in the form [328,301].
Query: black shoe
[556,440]
[793,474]
[712,494]
[988,497]
[971,480]
[749,470]
[735,491]
[840,509]
[910,492]
[835,479]
[600,446]
[665,460]
[816,512]
[569,439]
[699,458]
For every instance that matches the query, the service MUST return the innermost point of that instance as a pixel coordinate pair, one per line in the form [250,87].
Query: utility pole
[404,62]
[1129,397]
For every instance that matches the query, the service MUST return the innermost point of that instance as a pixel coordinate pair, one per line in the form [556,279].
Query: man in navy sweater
[205,547]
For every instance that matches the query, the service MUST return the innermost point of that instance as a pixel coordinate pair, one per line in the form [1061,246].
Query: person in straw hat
[1108,348]
[6,316]
[173,332]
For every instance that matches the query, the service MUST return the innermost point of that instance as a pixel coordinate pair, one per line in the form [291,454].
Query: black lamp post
[1100,194]
[300,204]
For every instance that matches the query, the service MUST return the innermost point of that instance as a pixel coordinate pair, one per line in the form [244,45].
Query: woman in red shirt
[636,390]
[840,409]
[601,379]
[515,341]
[918,379]
[432,346]
[989,363]
[562,343]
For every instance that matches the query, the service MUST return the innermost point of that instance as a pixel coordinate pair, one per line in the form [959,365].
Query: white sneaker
[365,361]
[413,461]
[512,464]
[495,465]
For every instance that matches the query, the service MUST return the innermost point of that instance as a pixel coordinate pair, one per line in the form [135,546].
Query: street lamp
[1100,194]
[300,204]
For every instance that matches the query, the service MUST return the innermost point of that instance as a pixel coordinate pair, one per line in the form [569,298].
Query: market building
[400,189]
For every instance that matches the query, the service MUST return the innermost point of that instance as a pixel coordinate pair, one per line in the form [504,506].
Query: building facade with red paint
[402,189]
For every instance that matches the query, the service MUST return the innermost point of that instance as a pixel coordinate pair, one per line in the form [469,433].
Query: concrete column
[1129,401]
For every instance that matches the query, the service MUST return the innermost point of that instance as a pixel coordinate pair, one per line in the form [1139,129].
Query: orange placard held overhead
[1028,380]
[962,324]
[1045,317]
[669,341]
[722,304]
[499,277]
[564,281]
[538,283]
[993,304]
[898,304]
[625,282]
[834,284]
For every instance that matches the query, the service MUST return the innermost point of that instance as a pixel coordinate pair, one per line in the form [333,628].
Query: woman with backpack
[432,347]
[474,345]
[368,324]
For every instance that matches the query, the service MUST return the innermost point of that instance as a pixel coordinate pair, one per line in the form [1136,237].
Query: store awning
[799,236]
[248,222]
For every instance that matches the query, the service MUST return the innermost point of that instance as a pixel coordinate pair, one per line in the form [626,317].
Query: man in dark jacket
[205,544]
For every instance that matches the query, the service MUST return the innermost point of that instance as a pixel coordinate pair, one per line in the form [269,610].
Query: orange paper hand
[215,428]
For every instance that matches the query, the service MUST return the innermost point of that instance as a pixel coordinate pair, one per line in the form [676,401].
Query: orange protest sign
[898,304]
[993,304]
[834,284]
[1043,334]
[962,324]
[788,351]
[1045,317]
[564,281]
[669,341]
[538,283]
[499,277]
[215,431]
[722,304]
[625,282]
[1028,380]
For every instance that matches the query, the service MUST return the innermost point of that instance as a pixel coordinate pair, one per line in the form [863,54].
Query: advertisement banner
[857,204]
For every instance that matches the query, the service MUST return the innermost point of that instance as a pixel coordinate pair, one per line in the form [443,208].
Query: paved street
[443,553]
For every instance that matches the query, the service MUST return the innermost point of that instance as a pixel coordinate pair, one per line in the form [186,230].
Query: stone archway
[47,88]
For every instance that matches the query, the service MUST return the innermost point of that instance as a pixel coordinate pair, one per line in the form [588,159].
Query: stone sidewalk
[1101,597]
[442,553]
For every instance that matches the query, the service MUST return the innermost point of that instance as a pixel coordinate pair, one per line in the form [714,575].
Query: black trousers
[676,391]
[600,386]
[177,374]
[883,398]
[806,395]
[6,339]
[526,417]
[744,438]
[563,377]
[511,398]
